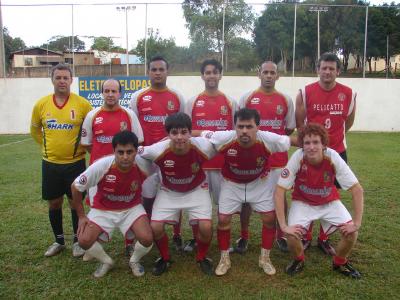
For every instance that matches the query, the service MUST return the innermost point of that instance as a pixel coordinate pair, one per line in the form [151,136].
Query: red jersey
[315,184]
[101,125]
[243,165]
[152,108]
[330,109]
[179,173]
[276,114]
[110,188]
[213,113]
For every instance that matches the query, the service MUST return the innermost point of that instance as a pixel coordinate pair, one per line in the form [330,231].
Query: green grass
[25,234]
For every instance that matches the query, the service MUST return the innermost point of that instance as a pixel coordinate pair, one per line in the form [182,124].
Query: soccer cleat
[137,269]
[77,251]
[54,249]
[224,264]
[87,257]
[129,250]
[306,244]
[190,245]
[264,262]
[347,269]
[282,244]
[161,266]
[206,266]
[241,245]
[103,269]
[177,239]
[326,247]
[296,266]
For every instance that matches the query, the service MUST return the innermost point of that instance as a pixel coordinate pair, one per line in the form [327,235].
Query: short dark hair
[125,137]
[329,56]
[61,67]
[157,58]
[313,129]
[247,114]
[212,62]
[178,120]
[119,84]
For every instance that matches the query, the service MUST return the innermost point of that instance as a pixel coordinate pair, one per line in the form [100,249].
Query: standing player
[333,105]
[183,187]
[211,110]
[153,105]
[114,183]
[102,123]
[246,180]
[312,171]
[276,115]
[56,126]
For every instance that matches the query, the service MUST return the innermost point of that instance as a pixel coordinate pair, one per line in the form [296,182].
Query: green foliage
[11,45]
[64,43]
[104,43]
[25,234]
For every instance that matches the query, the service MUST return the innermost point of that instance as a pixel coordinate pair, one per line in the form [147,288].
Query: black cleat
[296,266]
[241,245]
[206,266]
[129,250]
[348,270]
[178,242]
[306,244]
[282,244]
[161,266]
[326,247]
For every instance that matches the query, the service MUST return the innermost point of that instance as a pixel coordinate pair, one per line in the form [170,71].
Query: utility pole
[2,48]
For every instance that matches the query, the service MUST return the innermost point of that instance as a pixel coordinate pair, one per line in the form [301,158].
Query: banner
[90,88]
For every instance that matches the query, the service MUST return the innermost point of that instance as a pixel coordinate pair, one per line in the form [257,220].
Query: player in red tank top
[277,116]
[332,105]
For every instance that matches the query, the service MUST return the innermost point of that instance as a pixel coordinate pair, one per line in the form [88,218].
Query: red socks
[268,237]
[224,239]
[162,245]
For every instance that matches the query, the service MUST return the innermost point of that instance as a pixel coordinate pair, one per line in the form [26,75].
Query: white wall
[378,101]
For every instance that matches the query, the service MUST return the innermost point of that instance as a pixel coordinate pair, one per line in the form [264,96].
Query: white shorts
[330,215]
[150,186]
[169,204]
[214,178]
[108,220]
[258,193]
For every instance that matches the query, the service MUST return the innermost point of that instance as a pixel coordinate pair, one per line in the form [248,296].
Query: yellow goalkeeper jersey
[58,129]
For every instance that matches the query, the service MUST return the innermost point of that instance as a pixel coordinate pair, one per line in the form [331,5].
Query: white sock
[98,252]
[139,251]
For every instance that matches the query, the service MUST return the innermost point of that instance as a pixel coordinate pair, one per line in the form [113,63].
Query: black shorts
[57,178]
[343,155]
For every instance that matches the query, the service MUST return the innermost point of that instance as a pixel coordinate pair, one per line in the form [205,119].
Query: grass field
[25,234]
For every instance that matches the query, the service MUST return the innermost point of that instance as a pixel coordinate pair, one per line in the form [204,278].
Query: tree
[242,54]
[102,43]
[204,21]
[64,43]
[11,45]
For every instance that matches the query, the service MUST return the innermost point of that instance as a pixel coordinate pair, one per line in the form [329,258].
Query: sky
[36,25]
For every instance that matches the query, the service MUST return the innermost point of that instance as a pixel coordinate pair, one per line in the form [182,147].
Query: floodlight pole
[294,38]
[2,48]
[126,9]
[365,39]
[223,34]
[145,42]
[318,9]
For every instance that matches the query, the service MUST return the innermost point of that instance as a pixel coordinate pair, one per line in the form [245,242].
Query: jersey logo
[195,167]
[147,98]
[341,97]
[279,109]
[140,150]
[123,126]
[53,124]
[224,110]
[200,103]
[232,152]
[134,186]
[82,180]
[255,101]
[169,163]
[209,135]
[83,133]
[327,176]
[304,168]
[111,178]
[260,161]
[170,105]
[72,114]
[285,173]
[98,120]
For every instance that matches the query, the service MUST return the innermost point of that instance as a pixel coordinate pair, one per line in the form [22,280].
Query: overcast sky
[37,24]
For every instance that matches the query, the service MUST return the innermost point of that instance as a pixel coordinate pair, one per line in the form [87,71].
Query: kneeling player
[115,184]
[312,171]
[183,187]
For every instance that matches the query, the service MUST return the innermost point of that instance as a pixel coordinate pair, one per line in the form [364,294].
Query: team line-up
[165,156]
